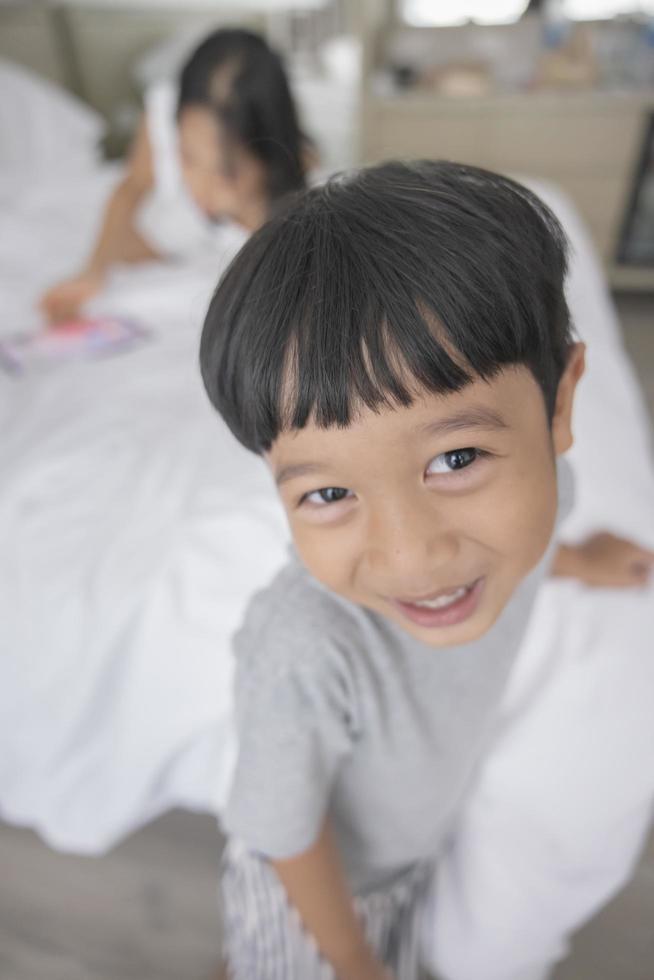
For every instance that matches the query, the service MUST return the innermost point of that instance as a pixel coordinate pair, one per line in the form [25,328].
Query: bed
[134,530]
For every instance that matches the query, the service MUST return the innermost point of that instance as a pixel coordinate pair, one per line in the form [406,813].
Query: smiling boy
[397,345]
[433,537]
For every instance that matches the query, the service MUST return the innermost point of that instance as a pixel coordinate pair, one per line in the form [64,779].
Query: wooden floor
[148,911]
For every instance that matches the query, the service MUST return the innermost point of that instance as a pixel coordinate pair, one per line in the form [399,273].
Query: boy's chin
[481,617]
[449,636]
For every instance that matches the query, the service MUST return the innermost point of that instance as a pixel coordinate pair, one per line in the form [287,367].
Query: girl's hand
[65,300]
[605,561]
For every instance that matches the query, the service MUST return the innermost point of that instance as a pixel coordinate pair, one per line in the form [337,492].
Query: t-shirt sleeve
[295,730]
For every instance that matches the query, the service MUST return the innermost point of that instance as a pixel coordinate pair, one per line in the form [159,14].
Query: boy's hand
[367,968]
[605,561]
[65,300]
[315,884]
[375,973]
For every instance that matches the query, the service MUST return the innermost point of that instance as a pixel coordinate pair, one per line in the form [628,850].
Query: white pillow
[44,131]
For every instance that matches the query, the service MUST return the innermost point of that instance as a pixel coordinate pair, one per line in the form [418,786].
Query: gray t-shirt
[339,710]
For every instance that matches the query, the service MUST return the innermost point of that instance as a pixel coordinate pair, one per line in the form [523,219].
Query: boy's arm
[315,884]
[604,561]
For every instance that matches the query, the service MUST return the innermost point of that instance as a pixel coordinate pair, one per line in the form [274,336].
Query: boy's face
[432,514]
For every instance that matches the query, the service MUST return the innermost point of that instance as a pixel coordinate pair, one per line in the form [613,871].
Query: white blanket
[134,530]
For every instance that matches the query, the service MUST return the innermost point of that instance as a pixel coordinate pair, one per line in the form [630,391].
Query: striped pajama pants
[265,939]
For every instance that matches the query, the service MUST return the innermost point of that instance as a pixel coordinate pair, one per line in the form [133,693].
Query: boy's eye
[328,495]
[456,459]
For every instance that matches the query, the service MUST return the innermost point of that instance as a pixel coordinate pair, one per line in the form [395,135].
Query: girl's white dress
[169,219]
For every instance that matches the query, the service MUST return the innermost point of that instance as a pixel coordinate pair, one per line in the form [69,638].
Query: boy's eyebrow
[294,470]
[476,417]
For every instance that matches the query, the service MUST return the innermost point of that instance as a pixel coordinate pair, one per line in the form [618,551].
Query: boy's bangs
[382,360]
[330,343]
[365,292]
[333,341]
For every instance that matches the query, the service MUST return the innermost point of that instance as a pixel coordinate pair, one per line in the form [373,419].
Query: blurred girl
[210,158]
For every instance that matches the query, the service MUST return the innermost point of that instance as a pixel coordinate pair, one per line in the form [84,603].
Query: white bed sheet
[612,453]
[134,530]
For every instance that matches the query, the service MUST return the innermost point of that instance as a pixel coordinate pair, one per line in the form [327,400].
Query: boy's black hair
[236,75]
[398,277]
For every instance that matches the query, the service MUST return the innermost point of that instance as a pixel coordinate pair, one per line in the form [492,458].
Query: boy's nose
[408,549]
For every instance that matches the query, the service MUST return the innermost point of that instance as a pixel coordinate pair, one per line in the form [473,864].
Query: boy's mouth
[446,607]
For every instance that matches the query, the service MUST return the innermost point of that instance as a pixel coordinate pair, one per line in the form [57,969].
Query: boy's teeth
[442,600]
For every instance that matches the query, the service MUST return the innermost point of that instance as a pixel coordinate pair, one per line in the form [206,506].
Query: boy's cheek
[524,518]
[317,552]
[332,558]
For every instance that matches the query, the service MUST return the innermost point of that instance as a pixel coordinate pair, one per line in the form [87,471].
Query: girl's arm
[315,884]
[118,240]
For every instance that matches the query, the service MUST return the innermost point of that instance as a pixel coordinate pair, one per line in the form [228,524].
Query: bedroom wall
[92,49]
[31,35]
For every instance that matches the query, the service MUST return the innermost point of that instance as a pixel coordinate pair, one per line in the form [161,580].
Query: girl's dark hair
[400,277]
[243,82]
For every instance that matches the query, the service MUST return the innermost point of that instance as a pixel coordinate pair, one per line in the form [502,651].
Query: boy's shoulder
[295,622]
[295,607]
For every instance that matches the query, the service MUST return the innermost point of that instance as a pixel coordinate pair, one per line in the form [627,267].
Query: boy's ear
[562,437]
